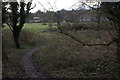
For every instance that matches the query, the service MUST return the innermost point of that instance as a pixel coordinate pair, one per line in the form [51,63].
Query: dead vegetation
[63,57]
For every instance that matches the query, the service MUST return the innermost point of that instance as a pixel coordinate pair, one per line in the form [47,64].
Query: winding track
[27,65]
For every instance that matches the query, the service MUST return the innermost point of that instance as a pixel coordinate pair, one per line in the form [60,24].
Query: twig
[42,5]
[83,4]
[33,7]
[73,5]
[73,37]
[9,26]
[55,5]
[50,4]
[107,44]
[108,30]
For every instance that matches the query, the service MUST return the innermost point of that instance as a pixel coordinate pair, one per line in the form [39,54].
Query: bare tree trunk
[15,16]
[118,46]
[16,34]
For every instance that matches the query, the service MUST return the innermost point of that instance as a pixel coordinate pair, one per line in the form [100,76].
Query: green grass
[35,27]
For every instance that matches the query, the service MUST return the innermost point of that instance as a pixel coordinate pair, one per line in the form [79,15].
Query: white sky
[56,4]
[60,4]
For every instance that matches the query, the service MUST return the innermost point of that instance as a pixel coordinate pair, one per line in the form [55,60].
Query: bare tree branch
[55,5]
[107,44]
[33,7]
[61,31]
[108,30]
[9,26]
[50,5]
[42,5]
[83,44]
[83,3]
[73,37]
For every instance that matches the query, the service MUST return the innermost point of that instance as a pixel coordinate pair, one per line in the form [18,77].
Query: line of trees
[68,16]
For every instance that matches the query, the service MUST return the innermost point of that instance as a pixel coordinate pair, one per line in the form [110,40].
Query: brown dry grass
[65,58]
[61,56]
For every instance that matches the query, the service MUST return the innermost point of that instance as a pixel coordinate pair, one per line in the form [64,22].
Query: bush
[72,26]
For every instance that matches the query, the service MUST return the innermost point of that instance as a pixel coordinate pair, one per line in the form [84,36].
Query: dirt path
[27,65]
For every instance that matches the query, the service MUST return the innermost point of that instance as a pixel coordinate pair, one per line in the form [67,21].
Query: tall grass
[62,57]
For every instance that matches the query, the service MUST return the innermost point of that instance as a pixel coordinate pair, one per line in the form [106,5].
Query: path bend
[28,66]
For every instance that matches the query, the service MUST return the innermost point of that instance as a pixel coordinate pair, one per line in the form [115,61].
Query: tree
[113,14]
[4,10]
[4,19]
[112,11]
[17,18]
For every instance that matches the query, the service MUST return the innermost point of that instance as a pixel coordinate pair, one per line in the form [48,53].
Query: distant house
[35,20]
[90,16]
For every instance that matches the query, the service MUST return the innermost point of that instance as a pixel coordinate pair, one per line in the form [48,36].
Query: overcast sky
[56,5]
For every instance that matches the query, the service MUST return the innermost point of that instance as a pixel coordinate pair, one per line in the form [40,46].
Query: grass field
[61,56]
[37,26]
